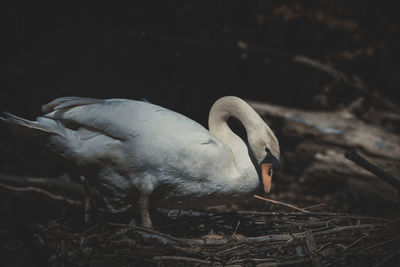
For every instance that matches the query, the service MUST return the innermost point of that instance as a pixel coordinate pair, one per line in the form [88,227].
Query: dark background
[186,54]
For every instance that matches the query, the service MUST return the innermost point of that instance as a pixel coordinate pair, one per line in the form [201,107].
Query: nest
[225,239]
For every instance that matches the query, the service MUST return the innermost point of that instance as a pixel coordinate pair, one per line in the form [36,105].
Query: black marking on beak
[270,158]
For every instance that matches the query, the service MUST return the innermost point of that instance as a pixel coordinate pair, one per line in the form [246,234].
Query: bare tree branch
[362,162]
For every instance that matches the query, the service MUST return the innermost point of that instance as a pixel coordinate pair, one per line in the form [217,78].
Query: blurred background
[184,55]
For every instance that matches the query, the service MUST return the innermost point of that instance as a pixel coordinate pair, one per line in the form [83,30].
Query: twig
[285,214]
[312,248]
[314,213]
[178,258]
[357,241]
[284,263]
[144,229]
[248,260]
[362,162]
[282,204]
[320,66]
[237,226]
[229,250]
[314,206]
[62,186]
[387,259]
[153,235]
[380,243]
[286,237]
[132,243]
[41,192]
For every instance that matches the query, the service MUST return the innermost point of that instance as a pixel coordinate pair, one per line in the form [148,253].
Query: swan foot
[144,211]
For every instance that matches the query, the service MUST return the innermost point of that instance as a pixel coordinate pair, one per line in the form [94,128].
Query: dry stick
[144,229]
[312,248]
[282,203]
[292,213]
[380,243]
[320,66]
[221,253]
[178,258]
[360,251]
[41,192]
[315,206]
[360,161]
[314,213]
[387,259]
[72,190]
[357,241]
[287,237]
[247,260]
[165,239]
[284,263]
[237,226]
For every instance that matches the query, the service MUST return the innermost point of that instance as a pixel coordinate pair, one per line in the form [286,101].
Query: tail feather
[27,128]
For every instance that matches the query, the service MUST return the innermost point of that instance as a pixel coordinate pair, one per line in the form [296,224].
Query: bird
[140,155]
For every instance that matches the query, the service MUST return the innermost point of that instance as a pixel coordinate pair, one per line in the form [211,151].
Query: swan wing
[152,136]
[108,116]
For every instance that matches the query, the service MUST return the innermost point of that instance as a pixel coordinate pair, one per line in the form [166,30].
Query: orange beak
[266,171]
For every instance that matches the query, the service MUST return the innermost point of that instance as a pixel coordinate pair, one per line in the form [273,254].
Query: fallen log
[313,144]
[338,128]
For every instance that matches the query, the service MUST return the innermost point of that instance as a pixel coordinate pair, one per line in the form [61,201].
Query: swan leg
[144,211]
[90,205]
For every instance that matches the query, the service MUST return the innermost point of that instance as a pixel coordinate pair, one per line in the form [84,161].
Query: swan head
[265,148]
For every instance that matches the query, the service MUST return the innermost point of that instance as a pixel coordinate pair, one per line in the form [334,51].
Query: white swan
[135,152]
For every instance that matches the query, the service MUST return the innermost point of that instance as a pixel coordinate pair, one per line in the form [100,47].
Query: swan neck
[227,107]
[219,114]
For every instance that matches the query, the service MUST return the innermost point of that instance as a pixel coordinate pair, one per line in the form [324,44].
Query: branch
[312,248]
[150,235]
[320,66]
[362,162]
[282,204]
[57,188]
[41,192]
[178,258]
